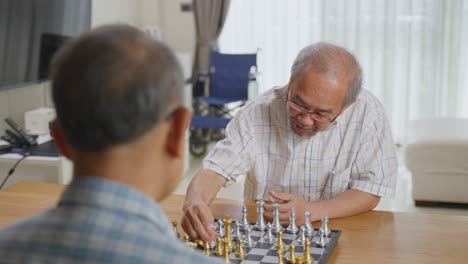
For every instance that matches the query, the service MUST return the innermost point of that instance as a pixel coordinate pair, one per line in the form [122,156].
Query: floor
[402,202]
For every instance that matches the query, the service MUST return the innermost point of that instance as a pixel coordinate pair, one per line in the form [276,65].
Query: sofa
[437,156]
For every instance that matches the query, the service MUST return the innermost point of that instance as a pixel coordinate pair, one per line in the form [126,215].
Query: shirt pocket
[336,183]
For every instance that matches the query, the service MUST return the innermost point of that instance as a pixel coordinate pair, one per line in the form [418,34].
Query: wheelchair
[218,95]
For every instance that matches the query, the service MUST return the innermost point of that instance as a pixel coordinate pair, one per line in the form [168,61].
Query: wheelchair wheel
[198,149]
[217,134]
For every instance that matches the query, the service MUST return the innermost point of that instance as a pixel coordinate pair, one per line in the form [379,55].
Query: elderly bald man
[320,144]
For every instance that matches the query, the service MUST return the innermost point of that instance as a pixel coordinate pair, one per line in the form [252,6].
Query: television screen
[31,31]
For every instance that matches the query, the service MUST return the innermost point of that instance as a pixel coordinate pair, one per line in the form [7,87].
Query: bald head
[336,62]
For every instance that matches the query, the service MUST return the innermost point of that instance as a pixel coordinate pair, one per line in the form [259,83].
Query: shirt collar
[110,195]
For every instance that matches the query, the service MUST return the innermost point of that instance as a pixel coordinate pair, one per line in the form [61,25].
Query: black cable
[12,170]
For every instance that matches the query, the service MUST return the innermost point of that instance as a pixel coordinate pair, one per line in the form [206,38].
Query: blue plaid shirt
[97,221]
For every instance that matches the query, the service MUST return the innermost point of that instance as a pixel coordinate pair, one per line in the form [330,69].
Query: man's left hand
[290,201]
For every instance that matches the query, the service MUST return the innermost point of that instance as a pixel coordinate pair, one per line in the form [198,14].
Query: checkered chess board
[263,252]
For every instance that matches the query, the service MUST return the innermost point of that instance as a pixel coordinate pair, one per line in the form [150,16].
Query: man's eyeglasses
[315,116]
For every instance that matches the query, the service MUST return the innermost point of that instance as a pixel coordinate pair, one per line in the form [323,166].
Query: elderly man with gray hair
[320,144]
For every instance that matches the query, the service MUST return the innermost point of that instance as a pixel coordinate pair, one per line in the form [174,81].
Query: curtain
[414,53]
[210,16]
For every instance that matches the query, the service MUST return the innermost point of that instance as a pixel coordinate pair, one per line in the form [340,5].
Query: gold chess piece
[279,244]
[174,225]
[186,238]
[206,248]
[307,257]
[227,233]
[281,256]
[226,250]
[292,256]
[219,247]
[240,252]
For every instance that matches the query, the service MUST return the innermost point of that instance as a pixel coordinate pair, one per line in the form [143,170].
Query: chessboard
[263,252]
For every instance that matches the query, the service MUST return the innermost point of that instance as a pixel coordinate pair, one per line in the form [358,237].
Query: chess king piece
[307,258]
[292,256]
[301,238]
[279,241]
[268,237]
[174,224]
[244,224]
[276,226]
[219,246]
[240,252]
[324,229]
[309,231]
[227,232]
[292,228]
[248,241]
[260,225]
[236,234]
[220,228]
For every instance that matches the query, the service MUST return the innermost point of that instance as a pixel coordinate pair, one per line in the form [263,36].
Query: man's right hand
[197,220]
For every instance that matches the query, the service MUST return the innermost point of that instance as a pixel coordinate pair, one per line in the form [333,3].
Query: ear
[177,127]
[59,139]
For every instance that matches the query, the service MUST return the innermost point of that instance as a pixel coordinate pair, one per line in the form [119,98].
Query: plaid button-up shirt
[356,151]
[97,221]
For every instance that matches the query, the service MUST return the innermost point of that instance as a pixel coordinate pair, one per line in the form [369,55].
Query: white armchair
[437,156]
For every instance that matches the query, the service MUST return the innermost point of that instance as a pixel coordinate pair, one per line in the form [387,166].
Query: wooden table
[372,237]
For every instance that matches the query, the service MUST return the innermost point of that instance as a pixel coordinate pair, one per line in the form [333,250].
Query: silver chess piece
[248,241]
[321,242]
[236,233]
[309,231]
[260,225]
[292,228]
[268,237]
[220,228]
[324,229]
[276,226]
[301,239]
[244,225]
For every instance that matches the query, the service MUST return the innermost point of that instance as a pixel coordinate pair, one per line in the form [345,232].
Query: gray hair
[112,85]
[328,58]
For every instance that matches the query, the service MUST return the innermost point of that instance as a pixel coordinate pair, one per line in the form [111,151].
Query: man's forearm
[205,185]
[348,203]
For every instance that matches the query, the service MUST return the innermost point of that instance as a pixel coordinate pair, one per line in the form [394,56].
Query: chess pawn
[321,242]
[206,248]
[174,225]
[244,224]
[219,246]
[292,228]
[236,234]
[240,252]
[248,241]
[292,256]
[260,225]
[279,241]
[268,237]
[301,238]
[324,229]
[276,226]
[309,231]
[307,257]
[220,228]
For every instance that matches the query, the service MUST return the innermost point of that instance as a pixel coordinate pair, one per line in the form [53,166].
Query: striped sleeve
[233,156]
